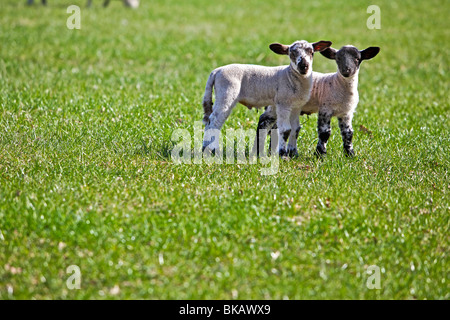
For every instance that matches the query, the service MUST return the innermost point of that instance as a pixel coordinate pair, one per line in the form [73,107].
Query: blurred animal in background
[128,3]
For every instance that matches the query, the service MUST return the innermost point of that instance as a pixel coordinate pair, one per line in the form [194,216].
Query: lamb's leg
[324,132]
[222,108]
[295,129]
[30,2]
[345,124]
[284,128]
[89,3]
[273,140]
[265,123]
[105,4]
[44,2]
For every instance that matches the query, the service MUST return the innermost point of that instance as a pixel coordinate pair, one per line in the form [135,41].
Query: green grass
[86,178]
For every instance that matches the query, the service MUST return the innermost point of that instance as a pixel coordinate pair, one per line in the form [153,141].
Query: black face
[348,60]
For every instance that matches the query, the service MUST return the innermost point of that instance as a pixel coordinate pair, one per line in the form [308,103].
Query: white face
[301,55]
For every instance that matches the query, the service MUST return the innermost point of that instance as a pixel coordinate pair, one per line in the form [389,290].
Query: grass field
[86,177]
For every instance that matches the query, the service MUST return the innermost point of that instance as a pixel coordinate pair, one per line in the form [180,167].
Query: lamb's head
[349,58]
[301,54]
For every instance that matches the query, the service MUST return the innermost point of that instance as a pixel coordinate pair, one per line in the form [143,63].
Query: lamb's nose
[302,64]
[346,72]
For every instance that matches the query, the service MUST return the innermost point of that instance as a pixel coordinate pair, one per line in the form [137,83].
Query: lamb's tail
[207,98]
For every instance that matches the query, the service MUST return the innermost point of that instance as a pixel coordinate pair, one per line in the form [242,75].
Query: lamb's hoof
[284,155]
[292,153]
[320,153]
[349,153]
[209,152]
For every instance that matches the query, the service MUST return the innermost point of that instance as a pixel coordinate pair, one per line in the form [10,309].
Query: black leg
[266,121]
[294,153]
[324,132]
[273,144]
[285,136]
[345,124]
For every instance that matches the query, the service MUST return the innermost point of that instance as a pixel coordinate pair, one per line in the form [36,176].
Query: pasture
[87,179]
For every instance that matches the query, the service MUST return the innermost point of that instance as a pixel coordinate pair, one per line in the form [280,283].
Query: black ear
[321,45]
[279,48]
[369,53]
[329,53]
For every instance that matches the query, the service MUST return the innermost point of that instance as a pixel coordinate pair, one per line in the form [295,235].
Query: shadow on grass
[154,150]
